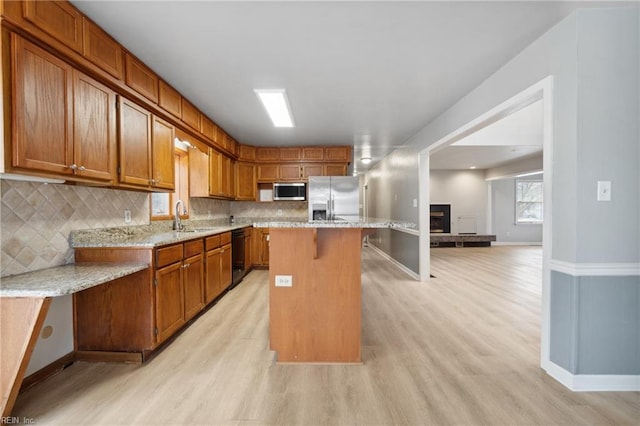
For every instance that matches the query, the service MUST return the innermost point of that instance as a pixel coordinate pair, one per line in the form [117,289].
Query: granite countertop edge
[121,237]
[66,279]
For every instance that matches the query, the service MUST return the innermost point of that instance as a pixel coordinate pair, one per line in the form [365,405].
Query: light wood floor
[461,349]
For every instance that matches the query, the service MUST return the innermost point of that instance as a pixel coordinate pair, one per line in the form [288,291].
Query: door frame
[543,90]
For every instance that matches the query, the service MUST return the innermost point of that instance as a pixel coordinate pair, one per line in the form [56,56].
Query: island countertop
[362,222]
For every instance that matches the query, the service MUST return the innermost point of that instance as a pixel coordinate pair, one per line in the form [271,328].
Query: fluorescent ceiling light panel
[276,104]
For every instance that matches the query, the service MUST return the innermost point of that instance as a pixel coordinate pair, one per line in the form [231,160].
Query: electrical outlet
[127,216]
[284,281]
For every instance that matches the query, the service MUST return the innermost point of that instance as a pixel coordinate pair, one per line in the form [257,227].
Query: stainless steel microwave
[295,191]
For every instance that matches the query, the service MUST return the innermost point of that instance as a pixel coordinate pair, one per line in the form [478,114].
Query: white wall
[466,191]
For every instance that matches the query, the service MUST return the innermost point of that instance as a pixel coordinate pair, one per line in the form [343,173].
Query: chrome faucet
[177,223]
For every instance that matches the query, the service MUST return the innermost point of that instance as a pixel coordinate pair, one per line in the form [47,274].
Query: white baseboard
[516,243]
[395,262]
[593,382]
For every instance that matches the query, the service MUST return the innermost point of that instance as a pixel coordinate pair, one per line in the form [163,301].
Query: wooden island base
[318,318]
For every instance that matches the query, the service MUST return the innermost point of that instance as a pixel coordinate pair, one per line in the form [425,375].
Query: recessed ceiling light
[472,167]
[276,104]
[365,160]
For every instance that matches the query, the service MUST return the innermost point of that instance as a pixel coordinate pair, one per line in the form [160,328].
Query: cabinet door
[215,173]
[135,144]
[42,113]
[193,286]
[225,267]
[94,128]
[228,177]
[246,179]
[169,300]
[338,153]
[190,115]
[60,19]
[169,99]
[198,172]
[212,285]
[290,154]
[101,49]
[312,153]
[335,169]
[311,170]
[290,172]
[267,154]
[141,78]
[268,173]
[162,148]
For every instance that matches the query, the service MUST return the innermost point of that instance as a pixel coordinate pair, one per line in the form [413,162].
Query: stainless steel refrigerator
[334,198]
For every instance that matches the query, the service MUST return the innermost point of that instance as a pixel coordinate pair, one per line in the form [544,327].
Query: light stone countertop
[362,222]
[64,280]
[148,237]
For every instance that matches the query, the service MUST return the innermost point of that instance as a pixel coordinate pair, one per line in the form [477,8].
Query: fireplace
[440,218]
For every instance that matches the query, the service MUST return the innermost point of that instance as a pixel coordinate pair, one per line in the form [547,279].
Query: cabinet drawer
[225,238]
[192,248]
[168,255]
[212,242]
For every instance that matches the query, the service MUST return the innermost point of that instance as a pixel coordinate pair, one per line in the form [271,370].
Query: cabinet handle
[73,167]
[82,168]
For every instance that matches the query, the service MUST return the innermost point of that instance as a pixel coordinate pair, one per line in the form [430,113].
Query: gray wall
[503,223]
[391,188]
[595,324]
[593,58]
[465,190]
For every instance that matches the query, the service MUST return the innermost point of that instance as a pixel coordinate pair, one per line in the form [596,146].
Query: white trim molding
[593,382]
[395,262]
[596,269]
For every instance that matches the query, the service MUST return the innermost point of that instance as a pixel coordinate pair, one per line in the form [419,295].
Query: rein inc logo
[17,421]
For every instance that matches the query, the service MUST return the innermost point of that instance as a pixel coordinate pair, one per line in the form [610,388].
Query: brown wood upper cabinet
[247,153]
[140,78]
[208,127]
[169,99]
[290,154]
[101,49]
[63,121]
[221,175]
[337,153]
[245,181]
[57,18]
[190,115]
[146,148]
[267,154]
[312,153]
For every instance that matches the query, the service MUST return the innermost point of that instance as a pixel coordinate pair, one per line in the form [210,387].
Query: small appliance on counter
[334,198]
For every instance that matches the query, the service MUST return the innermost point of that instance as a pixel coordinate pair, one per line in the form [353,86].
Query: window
[162,203]
[529,200]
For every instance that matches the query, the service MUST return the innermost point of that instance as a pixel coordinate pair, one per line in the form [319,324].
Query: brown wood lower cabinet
[137,313]
[218,265]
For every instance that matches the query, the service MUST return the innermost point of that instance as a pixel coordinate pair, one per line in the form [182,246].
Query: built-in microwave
[295,191]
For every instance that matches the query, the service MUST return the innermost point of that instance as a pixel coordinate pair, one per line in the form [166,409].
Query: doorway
[541,91]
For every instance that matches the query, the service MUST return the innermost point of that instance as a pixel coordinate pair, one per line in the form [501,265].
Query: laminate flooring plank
[462,348]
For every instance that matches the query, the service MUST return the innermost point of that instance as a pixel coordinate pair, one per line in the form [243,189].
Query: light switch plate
[284,281]
[127,216]
[604,190]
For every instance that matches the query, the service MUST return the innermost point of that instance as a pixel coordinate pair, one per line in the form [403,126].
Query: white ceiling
[368,74]
[514,137]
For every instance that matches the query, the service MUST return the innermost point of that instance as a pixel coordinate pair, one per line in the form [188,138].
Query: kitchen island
[315,288]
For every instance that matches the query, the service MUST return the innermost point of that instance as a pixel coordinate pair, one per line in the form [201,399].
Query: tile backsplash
[36,219]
